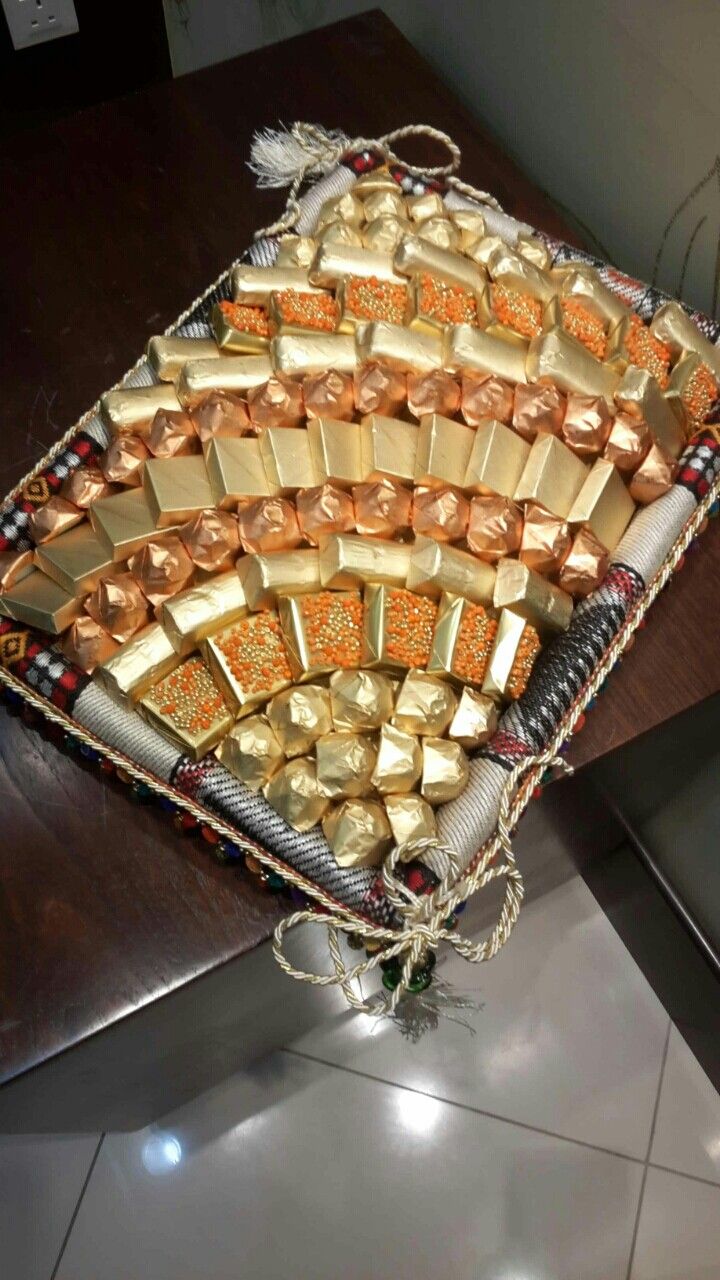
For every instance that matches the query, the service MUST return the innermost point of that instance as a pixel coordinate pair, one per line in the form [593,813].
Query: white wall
[610,105]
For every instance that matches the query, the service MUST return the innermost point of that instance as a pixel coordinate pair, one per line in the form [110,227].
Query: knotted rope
[427,920]
[305,152]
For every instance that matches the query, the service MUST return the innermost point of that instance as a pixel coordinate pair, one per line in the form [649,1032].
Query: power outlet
[33,21]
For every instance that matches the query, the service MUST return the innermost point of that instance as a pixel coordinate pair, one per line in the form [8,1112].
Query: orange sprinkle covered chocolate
[246,319]
[255,653]
[332,622]
[476,635]
[445,303]
[646,351]
[409,626]
[699,396]
[519,311]
[306,310]
[586,327]
[189,697]
[367,298]
[527,651]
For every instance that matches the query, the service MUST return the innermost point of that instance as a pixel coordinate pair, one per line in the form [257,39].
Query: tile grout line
[464,1106]
[76,1210]
[653,1123]
[689,1177]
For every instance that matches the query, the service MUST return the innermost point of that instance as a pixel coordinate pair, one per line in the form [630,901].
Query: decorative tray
[336,568]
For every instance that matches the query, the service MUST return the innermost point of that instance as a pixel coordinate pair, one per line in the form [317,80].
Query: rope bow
[305,152]
[428,919]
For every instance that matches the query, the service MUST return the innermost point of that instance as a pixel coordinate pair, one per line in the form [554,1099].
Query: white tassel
[278,157]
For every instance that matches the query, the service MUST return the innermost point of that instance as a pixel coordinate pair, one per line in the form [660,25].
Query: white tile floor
[571,1137]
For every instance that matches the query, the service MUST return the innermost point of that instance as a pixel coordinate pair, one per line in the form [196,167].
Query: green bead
[420,980]
[390,979]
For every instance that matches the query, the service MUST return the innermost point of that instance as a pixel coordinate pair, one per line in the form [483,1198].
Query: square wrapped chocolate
[444,449]
[557,358]
[77,560]
[463,639]
[335,451]
[399,627]
[167,354]
[603,504]
[192,615]
[436,567]
[176,489]
[347,560]
[388,448]
[517,273]
[639,394]
[552,477]
[123,522]
[137,665]
[252,286]
[188,708]
[236,470]
[38,601]
[266,575]
[528,594]
[288,459]
[416,256]
[249,660]
[241,328]
[497,460]
[516,647]
[323,631]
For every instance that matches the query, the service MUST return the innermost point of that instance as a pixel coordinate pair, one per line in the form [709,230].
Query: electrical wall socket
[33,21]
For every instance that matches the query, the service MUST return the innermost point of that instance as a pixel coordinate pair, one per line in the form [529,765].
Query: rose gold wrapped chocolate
[324,509]
[329,395]
[56,516]
[278,403]
[172,432]
[221,413]
[84,486]
[654,476]
[268,524]
[628,443]
[382,508]
[119,606]
[211,540]
[162,568]
[87,644]
[586,425]
[123,460]
[486,396]
[434,392]
[537,410]
[494,527]
[441,514]
[585,565]
[546,540]
[379,389]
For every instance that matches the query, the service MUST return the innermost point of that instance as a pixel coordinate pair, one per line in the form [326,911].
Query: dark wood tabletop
[113,221]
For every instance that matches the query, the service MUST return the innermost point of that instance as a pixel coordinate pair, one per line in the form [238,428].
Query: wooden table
[115,219]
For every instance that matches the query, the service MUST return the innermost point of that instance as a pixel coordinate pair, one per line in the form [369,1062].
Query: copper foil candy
[494,527]
[654,476]
[84,486]
[87,644]
[382,508]
[537,410]
[162,568]
[172,432]
[329,395]
[268,524]
[545,541]
[220,414]
[122,462]
[441,514]
[434,392]
[211,540]
[628,443]
[486,396]
[52,519]
[379,389]
[278,403]
[119,606]
[322,510]
[585,566]
[586,425]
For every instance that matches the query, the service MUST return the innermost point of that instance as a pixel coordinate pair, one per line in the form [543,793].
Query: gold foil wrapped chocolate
[529,595]
[440,232]
[267,575]
[77,560]
[358,833]
[333,263]
[162,568]
[467,347]
[236,375]
[249,660]
[382,204]
[392,344]
[425,705]
[379,389]
[137,665]
[130,410]
[410,818]
[14,566]
[220,414]
[494,527]
[168,353]
[335,451]
[399,627]
[673,326]
[399,761]
[481,248]
[322,510]
[84,486]
[323,631]
[190,616]
[429,205]
[486,396]
[445,770]
[187,707]
[297,357]
[383,234]
[268,524]
[240,328]
[470,224]
[462,640]
[176,489]
[382,508]
[440,513]
[172,433]
[415,256]
[443,453]
[692,392]
[585,565]
[345,762]
[538,409]
[87,644]
[497,460]
[123,461]
[253,285]
[293,793]
[603,504]
[349,560]
[388,448]
[299,716]
[339,233]
[553,476]
[119,606]
[586,426]
[278,403]
[586,287]
[360,700]
[475,720]
[236,470]
[654,476]
[436,567]
[559,359]
[211,540]
[517,272]
[39,602]
[295,251]
[345,208]
[287,459]
[545,541]
[533,249]
[329,395]
[516,648]
[251,752]
[628,442]
[52,519]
